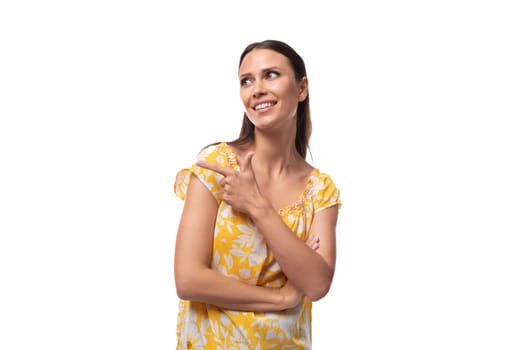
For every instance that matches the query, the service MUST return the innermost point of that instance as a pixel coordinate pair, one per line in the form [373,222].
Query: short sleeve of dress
[210,179]
[327,194]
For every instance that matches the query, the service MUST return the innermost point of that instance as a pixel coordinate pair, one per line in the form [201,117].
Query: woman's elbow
[185,286]
[182,289]
[320,288]
[319,292]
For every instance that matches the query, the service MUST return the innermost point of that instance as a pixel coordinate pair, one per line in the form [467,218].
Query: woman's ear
[303,89]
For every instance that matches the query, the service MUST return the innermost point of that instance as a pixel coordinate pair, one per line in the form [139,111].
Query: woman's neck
[275,157]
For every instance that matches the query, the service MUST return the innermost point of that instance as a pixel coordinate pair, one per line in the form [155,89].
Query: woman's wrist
[261,209]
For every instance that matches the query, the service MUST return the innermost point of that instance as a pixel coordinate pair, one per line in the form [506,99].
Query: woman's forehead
[260,59]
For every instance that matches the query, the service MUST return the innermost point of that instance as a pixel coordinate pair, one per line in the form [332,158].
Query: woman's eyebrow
[264,70]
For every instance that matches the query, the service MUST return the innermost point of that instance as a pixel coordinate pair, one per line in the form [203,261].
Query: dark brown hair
[304,122]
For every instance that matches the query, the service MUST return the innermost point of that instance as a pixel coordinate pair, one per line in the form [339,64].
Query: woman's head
[298,69]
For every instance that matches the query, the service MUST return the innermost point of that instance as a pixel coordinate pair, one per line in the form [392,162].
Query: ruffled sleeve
[327,194]
[210,179]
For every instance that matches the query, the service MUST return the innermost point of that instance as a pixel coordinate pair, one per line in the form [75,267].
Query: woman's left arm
[311,271]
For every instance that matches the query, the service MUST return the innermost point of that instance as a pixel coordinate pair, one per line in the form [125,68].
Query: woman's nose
[258,89]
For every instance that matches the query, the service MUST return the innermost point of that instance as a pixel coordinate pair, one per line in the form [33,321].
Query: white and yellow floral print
[239,251]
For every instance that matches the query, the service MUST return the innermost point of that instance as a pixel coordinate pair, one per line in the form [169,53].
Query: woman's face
[268,89]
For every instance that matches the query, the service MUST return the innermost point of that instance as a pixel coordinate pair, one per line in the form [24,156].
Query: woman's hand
[312,241]
[291,295]
[241,190]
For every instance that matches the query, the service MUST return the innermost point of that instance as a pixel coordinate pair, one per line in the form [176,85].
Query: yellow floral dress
[239,251]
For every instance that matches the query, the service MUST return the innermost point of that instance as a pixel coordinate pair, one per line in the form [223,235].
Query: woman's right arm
[196,281]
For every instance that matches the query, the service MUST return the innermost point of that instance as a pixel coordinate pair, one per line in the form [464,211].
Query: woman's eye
[245,81]
[272,74]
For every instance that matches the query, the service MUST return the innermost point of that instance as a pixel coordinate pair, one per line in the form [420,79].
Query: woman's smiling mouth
[264,105]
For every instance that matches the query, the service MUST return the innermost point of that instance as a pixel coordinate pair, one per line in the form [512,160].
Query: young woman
[256,242]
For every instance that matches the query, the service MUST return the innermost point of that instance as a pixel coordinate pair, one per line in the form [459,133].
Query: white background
[418,112]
